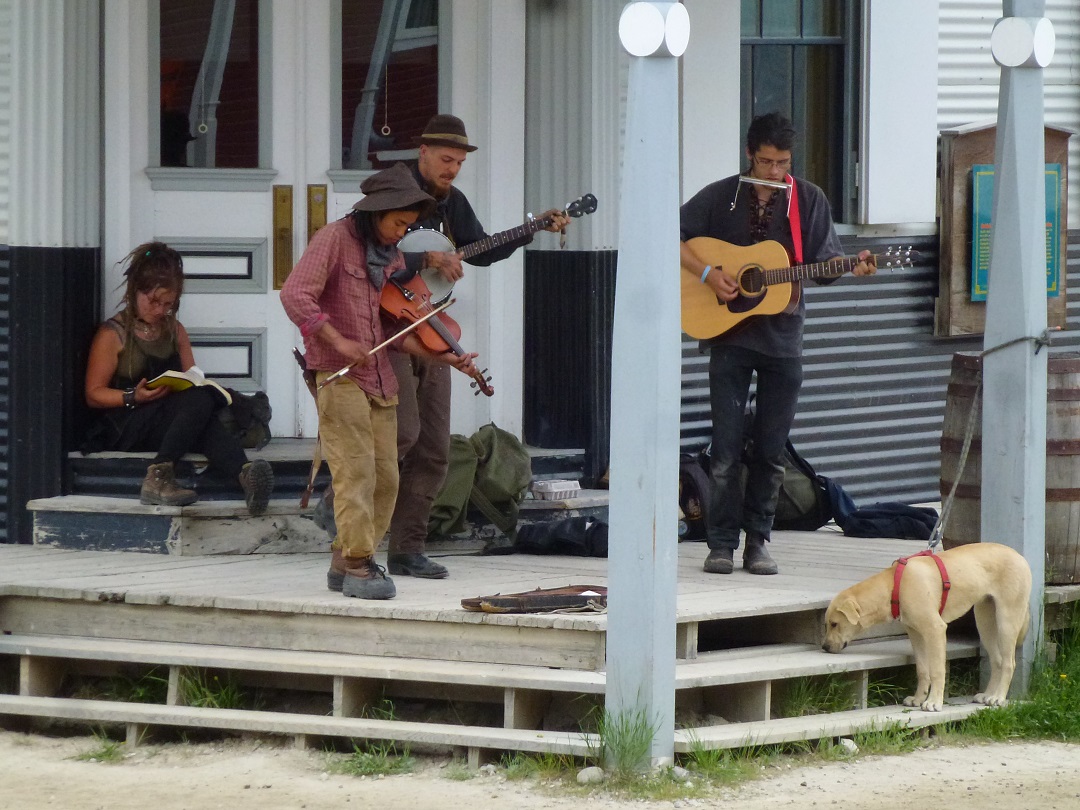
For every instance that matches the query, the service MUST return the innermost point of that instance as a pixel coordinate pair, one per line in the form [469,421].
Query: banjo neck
[504,237]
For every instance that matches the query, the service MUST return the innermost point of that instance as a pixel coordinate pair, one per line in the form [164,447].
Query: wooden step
[99,523]
[815,727]
[138,716]
[515,676]
[781,661]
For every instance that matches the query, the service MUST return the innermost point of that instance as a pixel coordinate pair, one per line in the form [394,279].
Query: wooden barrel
[1062,461]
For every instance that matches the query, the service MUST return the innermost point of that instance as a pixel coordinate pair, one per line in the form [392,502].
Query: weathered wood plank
[102,711]
[791,729]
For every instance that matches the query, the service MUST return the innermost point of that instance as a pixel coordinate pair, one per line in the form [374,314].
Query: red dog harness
[899,572]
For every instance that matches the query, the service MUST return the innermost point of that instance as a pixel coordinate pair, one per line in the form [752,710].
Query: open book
[179,380]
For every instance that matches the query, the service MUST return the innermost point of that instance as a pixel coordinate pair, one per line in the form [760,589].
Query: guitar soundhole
[751,282]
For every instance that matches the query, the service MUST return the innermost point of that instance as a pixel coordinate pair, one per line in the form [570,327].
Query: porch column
[1014,372]
[645,391]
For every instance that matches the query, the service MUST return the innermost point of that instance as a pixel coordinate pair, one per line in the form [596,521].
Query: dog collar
[899,572]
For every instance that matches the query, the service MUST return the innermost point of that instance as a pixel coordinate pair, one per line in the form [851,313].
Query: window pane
[821,18]
[389,79]
[779,18]
[751,18]
[210,83]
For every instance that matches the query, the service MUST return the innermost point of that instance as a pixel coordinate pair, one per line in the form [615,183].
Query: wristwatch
[129,398]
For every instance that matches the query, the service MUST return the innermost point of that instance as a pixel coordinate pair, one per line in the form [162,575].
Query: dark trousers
[184,422]
[778,382]
[423,447]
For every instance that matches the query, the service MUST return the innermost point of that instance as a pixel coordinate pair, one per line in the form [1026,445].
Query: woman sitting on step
[139,343]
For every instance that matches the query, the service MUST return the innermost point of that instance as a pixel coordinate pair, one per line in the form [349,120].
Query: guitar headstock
[899,256]
[585,204]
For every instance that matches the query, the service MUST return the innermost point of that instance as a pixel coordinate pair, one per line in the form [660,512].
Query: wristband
[708,267]
[129,398]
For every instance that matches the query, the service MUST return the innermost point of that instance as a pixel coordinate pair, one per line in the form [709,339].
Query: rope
[939,526]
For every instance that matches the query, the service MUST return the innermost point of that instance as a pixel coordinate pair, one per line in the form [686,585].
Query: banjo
[423,240]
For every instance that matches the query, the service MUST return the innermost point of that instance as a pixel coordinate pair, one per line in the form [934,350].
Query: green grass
[375,759]
[204,690]
[801,697]
[104,750]
[1052,707]
[625,741]
[149,687]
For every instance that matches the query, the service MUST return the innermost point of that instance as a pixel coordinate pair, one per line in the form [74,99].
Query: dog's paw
[911,700]
[989,700]
[930,706]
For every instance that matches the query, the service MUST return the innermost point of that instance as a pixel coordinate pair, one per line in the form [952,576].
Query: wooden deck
[268,620]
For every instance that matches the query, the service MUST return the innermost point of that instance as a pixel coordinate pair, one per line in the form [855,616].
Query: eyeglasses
[765,163]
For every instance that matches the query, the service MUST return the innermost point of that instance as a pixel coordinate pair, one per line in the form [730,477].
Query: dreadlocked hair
[151,266]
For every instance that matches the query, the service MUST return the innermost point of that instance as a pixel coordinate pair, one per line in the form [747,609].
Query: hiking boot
[720,561]
[755,558]
[415,565]
[159,487]
[257,481]
[359,577]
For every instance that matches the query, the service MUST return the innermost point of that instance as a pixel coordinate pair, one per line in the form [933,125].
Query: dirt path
[39,772]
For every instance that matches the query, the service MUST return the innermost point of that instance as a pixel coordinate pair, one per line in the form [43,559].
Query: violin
[410,301]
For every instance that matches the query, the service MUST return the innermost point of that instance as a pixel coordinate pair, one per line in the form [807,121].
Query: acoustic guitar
[423,240]
[767,284]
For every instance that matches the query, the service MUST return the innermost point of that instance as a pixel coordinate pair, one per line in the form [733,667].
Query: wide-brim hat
[446,130]
[394,189]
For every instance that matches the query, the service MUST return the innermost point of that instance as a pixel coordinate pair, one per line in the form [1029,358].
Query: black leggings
[184,422]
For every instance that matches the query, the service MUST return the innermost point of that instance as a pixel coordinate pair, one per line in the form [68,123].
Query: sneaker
[257,481]
[359,577]
[720,561]
[415,565]
[756,558]
[159,487]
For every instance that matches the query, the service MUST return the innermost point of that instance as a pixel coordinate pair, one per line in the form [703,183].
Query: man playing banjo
[424,387]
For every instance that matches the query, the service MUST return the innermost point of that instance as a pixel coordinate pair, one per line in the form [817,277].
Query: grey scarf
[378,257]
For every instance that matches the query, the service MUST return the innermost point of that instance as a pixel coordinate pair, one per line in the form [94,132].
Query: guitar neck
[829,269]
[505,237]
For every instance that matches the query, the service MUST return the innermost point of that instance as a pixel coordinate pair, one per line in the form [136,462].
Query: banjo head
[421,241]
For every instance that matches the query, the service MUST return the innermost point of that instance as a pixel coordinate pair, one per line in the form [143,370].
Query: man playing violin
[333,295]
[765,203]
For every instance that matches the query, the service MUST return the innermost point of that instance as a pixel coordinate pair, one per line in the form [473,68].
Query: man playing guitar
[766,203]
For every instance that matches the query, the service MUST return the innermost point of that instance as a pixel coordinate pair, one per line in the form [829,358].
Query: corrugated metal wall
[968,77]
[5,117]
[873,397]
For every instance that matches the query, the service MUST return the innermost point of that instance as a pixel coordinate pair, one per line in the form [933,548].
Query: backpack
[491,471]
[803,504]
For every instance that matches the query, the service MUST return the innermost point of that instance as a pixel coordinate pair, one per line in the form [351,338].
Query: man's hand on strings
[447,263]
[463,363]
[559,220]
[867,265]
[722,284]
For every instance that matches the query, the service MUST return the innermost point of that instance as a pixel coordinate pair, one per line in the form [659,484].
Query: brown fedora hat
[446,130]
[394,189]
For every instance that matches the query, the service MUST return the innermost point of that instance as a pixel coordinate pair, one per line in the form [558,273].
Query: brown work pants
[358,433]
[423,440]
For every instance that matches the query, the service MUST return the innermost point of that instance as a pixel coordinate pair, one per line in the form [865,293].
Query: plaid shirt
[330,284]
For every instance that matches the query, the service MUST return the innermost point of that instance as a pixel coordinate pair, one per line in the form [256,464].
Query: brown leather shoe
[257,481]
[159,487]
[359,577]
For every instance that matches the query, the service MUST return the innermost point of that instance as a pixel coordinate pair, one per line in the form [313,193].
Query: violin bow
[341,372]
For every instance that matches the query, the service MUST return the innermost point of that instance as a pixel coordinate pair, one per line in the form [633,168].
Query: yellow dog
[991,578]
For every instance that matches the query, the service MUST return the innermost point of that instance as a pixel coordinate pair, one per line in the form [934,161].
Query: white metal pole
[645,380]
